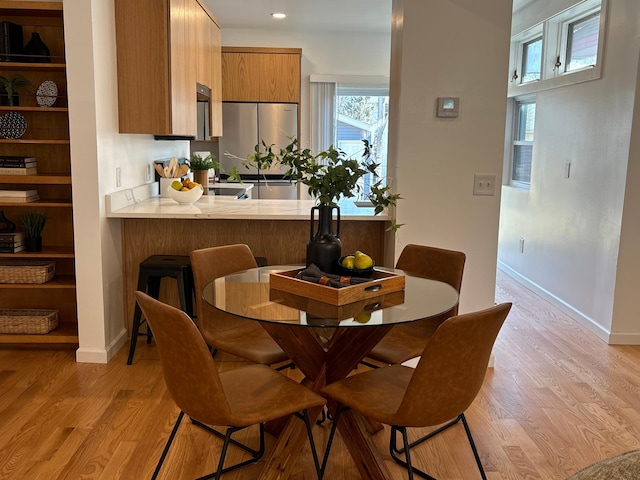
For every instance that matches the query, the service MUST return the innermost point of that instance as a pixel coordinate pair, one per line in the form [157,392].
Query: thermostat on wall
[448,107]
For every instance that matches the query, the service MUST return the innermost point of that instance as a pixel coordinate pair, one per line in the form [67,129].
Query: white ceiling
[310,15]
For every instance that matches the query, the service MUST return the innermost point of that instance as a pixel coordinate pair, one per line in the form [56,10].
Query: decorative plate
[12,125]
[47,94]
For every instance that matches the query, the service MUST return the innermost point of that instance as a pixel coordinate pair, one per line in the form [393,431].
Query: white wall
[96,150]
[450,48]
[572,226]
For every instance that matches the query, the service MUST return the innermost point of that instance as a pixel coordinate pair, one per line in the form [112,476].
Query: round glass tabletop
[248,294]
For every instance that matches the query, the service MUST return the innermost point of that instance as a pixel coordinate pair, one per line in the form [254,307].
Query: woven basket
[26,271]
[28,321]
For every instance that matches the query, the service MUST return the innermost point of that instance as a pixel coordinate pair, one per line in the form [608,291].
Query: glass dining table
[326,342]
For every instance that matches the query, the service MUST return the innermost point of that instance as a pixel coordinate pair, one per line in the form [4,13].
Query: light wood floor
[558,400]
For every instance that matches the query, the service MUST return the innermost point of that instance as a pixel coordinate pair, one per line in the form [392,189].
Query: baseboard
[557,302]
[95,355]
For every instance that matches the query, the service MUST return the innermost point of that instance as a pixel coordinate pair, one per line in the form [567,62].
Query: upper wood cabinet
[252,74]
[163,48]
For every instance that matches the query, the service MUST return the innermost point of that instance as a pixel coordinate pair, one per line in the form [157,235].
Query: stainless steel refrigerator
[244,126]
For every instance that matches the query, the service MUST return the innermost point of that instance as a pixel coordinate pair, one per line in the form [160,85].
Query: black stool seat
[150,272]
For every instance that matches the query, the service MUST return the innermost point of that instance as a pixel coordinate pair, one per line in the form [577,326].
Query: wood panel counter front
[275,229]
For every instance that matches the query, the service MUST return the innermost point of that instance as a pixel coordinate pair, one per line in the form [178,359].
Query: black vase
[324,247]
[33,244]
[6,225]
[36,50]
[9,100]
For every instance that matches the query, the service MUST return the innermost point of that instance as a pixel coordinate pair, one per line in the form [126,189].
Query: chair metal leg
[284,367]
[312,443]
[235,443]
[395,451]
[473,446]
[339,409]
[228,440]
[167,445]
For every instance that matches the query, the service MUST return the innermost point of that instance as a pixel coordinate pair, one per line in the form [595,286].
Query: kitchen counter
[130,204]
[276,229]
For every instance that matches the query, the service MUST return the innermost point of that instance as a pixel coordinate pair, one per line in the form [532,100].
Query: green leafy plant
[10,85]
[329,175]
[206,163]
[33,223]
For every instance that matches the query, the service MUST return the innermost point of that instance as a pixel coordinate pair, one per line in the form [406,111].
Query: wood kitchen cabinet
[252,74]
[163,48]
[47,139]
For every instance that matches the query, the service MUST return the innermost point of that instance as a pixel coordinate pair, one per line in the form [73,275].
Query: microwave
[203,95]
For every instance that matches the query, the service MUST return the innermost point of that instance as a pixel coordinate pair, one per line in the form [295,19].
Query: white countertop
[137,203]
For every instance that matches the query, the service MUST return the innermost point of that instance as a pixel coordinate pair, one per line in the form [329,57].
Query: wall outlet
[148,173]
[118,178]
[484,184]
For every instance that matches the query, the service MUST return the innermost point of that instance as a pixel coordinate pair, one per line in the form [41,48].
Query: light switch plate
[484,185]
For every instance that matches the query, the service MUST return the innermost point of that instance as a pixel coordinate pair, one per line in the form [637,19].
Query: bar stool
[150,272]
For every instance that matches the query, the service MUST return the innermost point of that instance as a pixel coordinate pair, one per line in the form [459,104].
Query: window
[562,50]
[532,60]
[524,126]
[363,113]
[582,43]
[355,109]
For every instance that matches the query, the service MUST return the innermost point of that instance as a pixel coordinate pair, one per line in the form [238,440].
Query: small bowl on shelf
[186,197]
[353,272]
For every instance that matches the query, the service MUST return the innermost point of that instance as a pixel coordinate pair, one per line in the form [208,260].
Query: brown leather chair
[237,398]
[407,341]
[443,385]
[221,331]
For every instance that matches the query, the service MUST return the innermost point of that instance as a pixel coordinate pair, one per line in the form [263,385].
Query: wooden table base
[343,353]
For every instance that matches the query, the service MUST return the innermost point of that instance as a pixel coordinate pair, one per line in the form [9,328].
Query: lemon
[363,317]
[363,261]
[176,185]
[348,262]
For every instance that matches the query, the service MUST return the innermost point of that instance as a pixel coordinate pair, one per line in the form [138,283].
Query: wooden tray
[328,314]
[381,283]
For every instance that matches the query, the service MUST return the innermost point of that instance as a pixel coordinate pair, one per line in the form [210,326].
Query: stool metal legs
[149,282]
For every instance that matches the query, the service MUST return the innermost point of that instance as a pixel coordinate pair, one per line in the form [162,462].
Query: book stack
[10,42]
[10,165]
[18,196]
[11,242]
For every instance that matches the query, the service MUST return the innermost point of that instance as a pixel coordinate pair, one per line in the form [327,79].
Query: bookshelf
[47,139]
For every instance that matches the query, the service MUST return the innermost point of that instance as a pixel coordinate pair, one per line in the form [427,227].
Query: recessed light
[279,15]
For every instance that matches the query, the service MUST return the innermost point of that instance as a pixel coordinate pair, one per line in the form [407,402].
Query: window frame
[564,48]
[515,141]
[555,31]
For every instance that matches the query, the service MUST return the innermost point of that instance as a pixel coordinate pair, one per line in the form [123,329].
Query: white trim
[557,302]
[94,355]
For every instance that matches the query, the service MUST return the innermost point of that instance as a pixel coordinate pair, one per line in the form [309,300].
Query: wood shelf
[59,281]
[35,109]
[33,66]
[34,141]
[39,203]
[40,179]
[47,252]
[66,333]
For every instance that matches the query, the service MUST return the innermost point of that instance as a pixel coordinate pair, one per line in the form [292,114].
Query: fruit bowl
[353,272]
[187,197]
